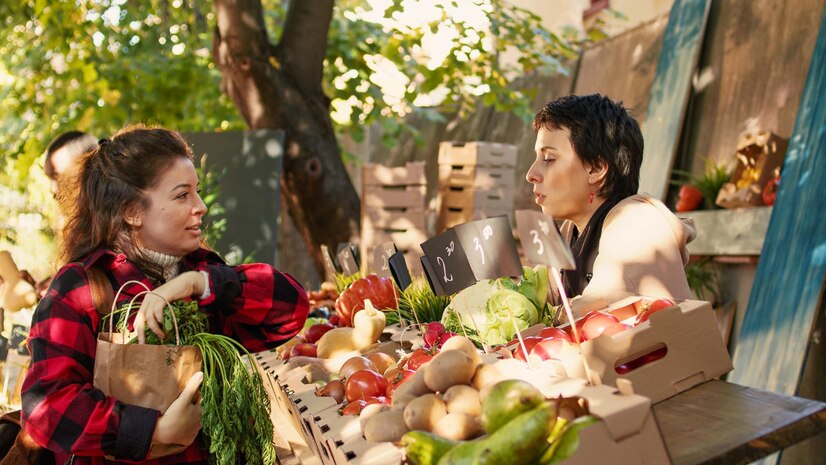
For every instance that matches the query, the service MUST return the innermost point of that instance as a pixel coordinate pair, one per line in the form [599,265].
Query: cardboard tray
[695,351]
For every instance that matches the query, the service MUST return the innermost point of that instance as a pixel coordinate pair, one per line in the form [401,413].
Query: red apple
[596,324]
[653,307]
[554,332]
[305,349]
[314,332]
[549,348]
[616,328]
[530,342]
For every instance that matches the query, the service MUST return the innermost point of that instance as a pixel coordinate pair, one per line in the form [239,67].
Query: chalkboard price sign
[347,258]
[445,264]
[381,257]
[541,240]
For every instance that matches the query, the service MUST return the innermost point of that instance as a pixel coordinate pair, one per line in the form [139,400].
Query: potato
[463,344]
[386,426]
[400,401]
[414,386]
[463,399]
[487,375]
[447,369]
[423,412]
[369,411]
[458,427]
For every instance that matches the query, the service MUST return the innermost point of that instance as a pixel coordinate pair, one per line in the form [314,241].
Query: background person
[137,216]
[586,172]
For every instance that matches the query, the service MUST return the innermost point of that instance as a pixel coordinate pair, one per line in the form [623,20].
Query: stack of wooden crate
[393,210]
[476,180]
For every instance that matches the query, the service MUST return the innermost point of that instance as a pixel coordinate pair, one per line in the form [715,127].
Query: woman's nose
[200,207]
[532,176]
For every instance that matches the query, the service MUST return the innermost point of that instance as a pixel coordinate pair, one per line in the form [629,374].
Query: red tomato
[305,348]
[378,400]
[596,324]
[353,408]
[554,332]
[530,342]
[314,332]
[419,357]
[770,190]
[364,384]
[641,361]
[549,348]
[396,378]
[654,307]
[690,198]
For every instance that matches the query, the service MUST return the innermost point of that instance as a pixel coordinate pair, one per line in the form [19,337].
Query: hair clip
[103,142]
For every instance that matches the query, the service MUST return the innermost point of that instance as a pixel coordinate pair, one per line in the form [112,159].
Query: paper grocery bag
[150,376]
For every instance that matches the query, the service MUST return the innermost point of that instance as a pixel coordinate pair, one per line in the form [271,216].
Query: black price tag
[448,266]
[490,248]
[347,259]
[329,263]
[399,270]
[431,277]
[541,240]
[381,255]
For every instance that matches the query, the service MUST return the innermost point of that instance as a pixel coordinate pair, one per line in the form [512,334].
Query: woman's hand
[182,420]
[190,283]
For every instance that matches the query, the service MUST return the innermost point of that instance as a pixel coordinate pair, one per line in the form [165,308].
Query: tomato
[641,361]
[419,357]
[554,332]
[381,360]
[365,384]
[530,342]
[334,389]
[596,324]
[690,198]
[303,349]
[355,364]
[378,400]
[353,408]
[653,307]
[616,328]
[396,378]
[314,332]
[770,190]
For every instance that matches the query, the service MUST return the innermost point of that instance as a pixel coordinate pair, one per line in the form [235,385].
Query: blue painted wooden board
[781,312]
[669,93]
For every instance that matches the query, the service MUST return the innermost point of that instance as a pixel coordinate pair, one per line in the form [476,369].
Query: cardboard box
[760,156]
[477,153]
[412,173]
[394,196]
[482,177]
[694,350]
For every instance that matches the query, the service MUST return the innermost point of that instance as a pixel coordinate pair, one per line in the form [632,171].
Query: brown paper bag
[150,376]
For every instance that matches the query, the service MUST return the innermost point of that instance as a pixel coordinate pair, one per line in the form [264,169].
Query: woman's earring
[591,197]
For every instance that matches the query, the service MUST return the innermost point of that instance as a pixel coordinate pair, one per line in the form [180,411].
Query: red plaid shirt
[255,304]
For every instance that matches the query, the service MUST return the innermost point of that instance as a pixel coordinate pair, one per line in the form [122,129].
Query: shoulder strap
[102,293]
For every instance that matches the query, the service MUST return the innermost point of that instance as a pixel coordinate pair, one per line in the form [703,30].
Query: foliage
[709,183]
[419,298]
[703,279]
[342,280]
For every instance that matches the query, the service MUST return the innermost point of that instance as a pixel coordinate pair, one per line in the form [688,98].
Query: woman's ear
[597,172]
[133,217]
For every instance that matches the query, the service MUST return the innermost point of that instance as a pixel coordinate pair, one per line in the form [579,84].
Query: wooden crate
[393,218]
[476,199]
[483,177]
[452,216]
[477,153]
[411,174]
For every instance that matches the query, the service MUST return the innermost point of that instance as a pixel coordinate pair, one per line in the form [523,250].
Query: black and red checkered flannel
[255,304]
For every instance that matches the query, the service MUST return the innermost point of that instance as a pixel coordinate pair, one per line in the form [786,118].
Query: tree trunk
[279,87]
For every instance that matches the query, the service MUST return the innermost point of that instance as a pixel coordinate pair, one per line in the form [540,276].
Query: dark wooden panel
[751,75]
[724,423]
[780,316]
[623,66]
[670,91]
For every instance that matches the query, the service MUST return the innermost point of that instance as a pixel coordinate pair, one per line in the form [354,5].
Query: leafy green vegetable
[506,313]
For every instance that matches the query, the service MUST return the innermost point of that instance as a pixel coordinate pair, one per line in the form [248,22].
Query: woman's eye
[183,195]
[547,160]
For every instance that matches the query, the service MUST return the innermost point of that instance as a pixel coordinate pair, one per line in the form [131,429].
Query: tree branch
[304,42]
